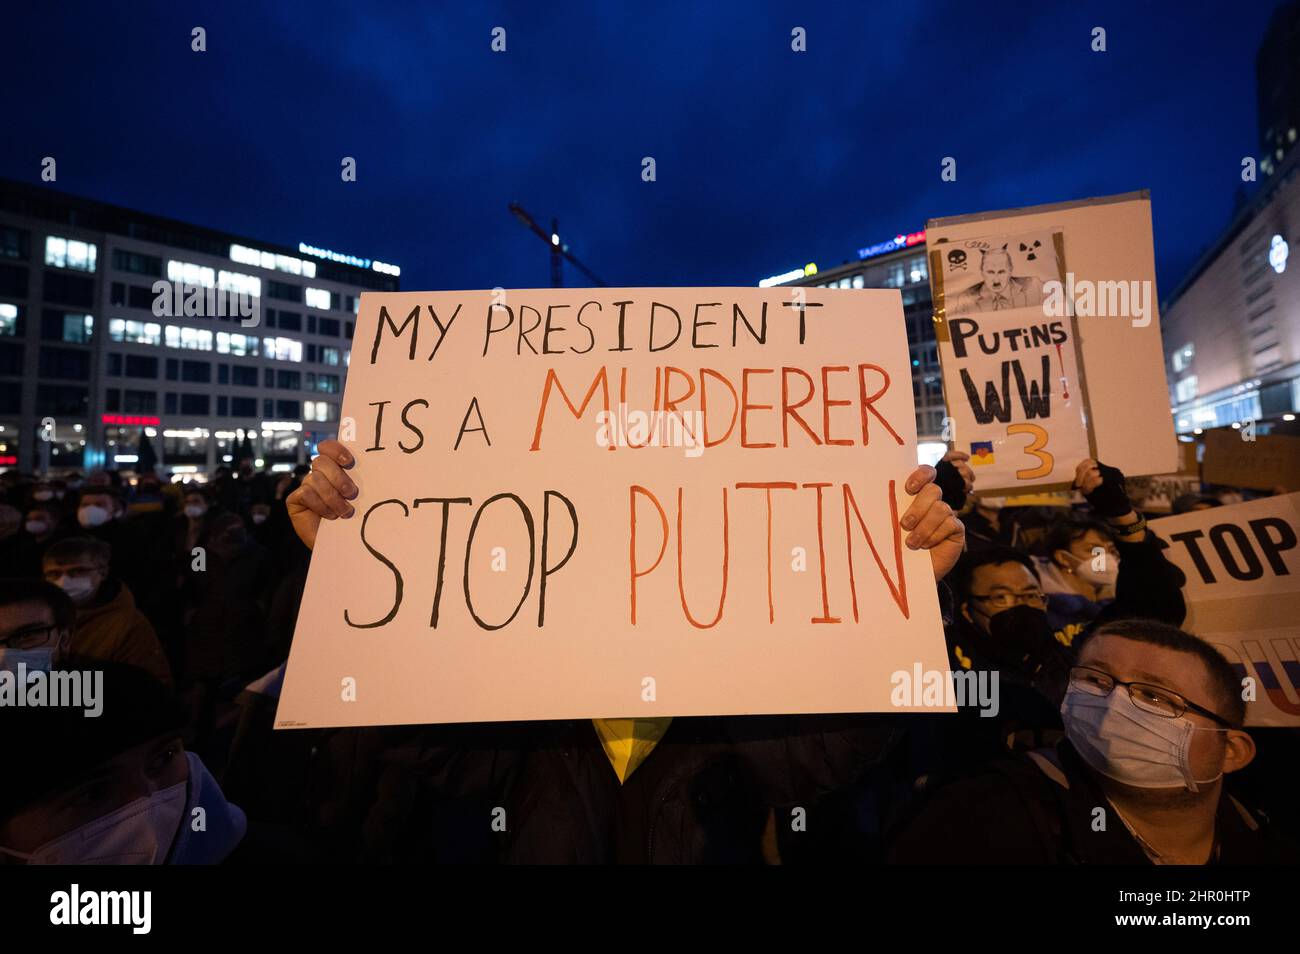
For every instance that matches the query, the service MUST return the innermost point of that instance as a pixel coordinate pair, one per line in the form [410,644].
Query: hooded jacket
[112,629]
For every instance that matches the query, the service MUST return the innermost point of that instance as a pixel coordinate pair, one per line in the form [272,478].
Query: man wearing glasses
[36,620]
[1153,722]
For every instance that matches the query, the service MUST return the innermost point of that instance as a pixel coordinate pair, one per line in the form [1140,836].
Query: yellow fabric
[628,742]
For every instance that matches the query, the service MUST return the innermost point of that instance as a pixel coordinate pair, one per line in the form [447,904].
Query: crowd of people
[183,598]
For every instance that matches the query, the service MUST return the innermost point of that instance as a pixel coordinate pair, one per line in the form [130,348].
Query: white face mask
[37,527]
[194,511]
[1129,744]
[1106,576]
[93,516]
[259,518]
[139,833]
[35,659]
[78,588]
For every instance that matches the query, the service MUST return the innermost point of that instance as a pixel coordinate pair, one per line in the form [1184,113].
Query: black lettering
[622,318]
[546,532]
[532,558]
[384,319]
[473,408]
[1253,569]
[1286,540]
[1035,404]
[958,330]
[442,329]
[525,332]
[738,316]
[397,574]
[591,335]
[803,314]
[379,423]
[510,320]
[442,546]
[411,427]
[994,408]
[1188,539]
[546,332]
[676,317]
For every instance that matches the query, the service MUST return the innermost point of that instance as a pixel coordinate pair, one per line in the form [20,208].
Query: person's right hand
[324,492]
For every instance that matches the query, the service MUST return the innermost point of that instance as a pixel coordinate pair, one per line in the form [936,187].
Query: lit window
[1182,359]
[272,260]
[282,349]
[191,339]
[859,281]
[318,298]
[236,344]
[241,284]
[317,411]
[78,328]
[190,274]
[329,356]
[1185,389]
[135,332]
[69,253]
[8,319]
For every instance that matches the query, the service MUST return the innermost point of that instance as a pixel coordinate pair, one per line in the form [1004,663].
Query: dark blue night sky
[766,158]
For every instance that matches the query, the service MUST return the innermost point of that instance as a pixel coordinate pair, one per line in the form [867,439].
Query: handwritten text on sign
[603,503]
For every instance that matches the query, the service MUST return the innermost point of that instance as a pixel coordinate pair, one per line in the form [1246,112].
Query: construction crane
[559,250]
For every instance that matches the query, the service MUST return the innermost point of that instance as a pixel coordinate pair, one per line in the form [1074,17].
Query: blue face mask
[35,659]
[1129,744]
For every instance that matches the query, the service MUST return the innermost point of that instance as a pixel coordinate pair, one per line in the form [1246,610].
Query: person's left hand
[931,523]
[1103,488]
[961,461]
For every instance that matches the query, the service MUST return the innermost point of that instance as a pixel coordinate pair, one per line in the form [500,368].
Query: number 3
[1035,448]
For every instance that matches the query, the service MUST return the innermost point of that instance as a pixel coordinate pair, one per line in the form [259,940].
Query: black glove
[1109,500]
[950,482]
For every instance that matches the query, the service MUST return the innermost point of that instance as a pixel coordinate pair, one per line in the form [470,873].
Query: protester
[224,632]
[20,554]
[115,789]
[36,622]
[44,524]
[1153,722]
[108,625]
[1108,568]
[701,790]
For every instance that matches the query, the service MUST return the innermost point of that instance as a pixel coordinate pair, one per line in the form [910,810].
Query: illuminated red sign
[8,461]
[129,420]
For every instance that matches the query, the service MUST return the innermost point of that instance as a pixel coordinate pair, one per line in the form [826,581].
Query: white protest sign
[1089,287]
[1011,375]
[1242,564]
[581,503]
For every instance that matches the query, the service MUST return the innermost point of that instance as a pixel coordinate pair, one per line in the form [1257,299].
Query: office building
[899,262]
[119,327]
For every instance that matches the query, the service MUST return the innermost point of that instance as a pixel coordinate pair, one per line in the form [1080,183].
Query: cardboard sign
[1157,494]
[613,503]
[1243,594]
[1011,375]
[1268,461]
[1078,275]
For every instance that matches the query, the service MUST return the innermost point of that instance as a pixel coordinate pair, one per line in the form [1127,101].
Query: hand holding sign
[324,492]
[582,503]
